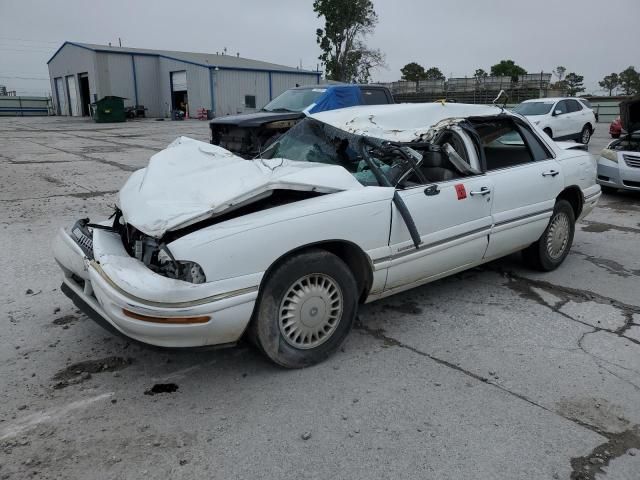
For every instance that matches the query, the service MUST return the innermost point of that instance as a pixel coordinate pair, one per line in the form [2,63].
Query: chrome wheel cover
[558,235]
[310,311]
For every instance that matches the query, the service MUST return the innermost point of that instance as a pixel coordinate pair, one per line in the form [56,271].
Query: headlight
[179,269]
[281,124]
[609,155]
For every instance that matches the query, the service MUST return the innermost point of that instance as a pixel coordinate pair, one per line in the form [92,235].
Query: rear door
[561,121]
[526,181]
[576,116]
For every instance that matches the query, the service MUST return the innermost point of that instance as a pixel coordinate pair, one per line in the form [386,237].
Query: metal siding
[231,86]
[147,78]
[197,85]
[284,81]
[117,68]
[72,60]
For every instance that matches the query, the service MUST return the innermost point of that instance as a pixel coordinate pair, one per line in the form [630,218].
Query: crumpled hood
[191,180]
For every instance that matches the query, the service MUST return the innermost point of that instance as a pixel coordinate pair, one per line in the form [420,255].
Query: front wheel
[306,309]
[553,246]
[585,135]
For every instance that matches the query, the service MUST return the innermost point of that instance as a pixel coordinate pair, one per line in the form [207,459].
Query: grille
[631,161]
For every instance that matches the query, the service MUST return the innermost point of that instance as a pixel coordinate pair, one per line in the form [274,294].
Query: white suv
[561,118]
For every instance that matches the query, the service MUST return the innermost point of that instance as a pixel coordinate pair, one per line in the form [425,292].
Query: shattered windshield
[533,108]
[314,141]
[294,100]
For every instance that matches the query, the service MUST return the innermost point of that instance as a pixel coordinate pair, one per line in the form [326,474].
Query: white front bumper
[229,309]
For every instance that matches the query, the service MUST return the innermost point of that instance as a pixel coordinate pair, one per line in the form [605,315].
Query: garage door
[62,97]
[179,81]
[73,95]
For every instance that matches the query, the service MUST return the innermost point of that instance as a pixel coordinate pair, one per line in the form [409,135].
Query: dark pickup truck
[248,134]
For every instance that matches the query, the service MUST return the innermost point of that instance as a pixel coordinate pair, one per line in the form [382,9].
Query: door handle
[550,173]
[482,191]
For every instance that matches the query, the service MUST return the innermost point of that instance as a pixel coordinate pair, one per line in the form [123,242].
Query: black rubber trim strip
[522,217]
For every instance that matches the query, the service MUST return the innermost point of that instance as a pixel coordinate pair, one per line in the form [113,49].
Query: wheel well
[588,124]
[573,195]
[351,254]
[550,132]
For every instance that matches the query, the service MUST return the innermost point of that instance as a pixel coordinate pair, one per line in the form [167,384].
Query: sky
[590,37]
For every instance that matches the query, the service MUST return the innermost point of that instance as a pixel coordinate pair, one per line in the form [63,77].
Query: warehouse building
[163,81]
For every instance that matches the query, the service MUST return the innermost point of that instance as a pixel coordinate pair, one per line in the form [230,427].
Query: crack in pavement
[598,227]
[583,468]
[611,266]
[121,166]
[617,444]
[82,195]
[523,286]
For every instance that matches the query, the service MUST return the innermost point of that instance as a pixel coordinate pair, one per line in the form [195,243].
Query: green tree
[573,83]
[479,74]
[610,82]
[413,72]
[347,23]
[630,81]
[559,72]
[508,68]
[434,73]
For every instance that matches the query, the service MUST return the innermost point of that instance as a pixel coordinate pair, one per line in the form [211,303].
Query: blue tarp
[337,96]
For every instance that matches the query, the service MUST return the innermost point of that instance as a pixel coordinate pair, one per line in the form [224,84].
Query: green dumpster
[109,109]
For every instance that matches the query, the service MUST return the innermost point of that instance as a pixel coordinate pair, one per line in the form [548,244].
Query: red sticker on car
[460,190]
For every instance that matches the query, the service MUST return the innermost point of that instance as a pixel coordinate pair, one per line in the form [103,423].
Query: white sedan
[348,207]
[563,118]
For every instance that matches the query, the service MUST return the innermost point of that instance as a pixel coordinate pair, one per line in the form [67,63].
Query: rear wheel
[553,246]
[306,309]
[585,135]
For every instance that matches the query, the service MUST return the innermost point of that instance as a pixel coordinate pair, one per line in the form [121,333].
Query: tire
[303,286]
[548,132]
[608,190]
[553,246]
[585,135]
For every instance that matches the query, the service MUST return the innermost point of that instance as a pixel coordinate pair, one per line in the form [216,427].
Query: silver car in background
[619,162]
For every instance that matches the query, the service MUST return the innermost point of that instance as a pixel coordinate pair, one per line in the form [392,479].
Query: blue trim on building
[135,79]
[270,87]
[159,55]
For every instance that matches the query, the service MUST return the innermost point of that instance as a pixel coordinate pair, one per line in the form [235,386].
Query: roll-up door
[73,95]
[62,97]
[179,81]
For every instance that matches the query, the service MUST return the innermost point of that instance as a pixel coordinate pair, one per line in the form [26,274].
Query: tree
[508,68]
[479,74]
[413,72]
[573,84]
[344,54]
[559,72]
[610,82]
[434,73]
[630,81]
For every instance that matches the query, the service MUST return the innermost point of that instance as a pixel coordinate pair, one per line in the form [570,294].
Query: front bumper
[112,282]
[618,175]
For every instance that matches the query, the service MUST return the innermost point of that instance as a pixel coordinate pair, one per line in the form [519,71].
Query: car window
[533,108]
[561,106]
[374,96]
[503,144]
[586,103]
[573,106]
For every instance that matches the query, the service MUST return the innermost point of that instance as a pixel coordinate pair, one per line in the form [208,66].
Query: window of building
[250,101]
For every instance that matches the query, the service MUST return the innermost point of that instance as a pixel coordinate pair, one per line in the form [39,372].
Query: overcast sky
[589,37]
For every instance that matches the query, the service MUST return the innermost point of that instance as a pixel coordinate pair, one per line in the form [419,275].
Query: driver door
[453,219]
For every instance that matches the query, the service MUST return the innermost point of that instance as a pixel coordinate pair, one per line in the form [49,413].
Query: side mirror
[557,112]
